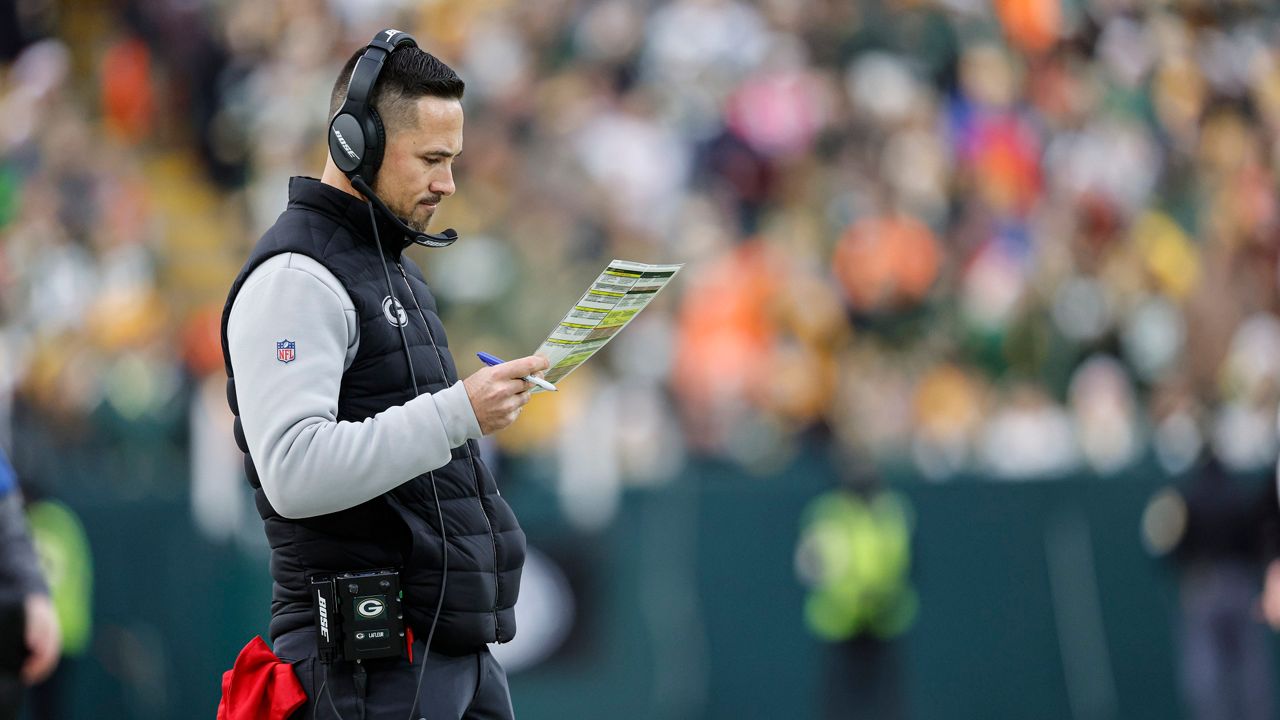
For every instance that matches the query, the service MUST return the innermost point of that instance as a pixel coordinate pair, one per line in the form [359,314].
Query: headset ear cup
[376,142]
[347,143]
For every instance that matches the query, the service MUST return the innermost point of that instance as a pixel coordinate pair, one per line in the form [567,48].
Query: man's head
[419,99]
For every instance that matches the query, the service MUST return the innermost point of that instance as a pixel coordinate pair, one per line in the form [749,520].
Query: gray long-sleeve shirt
[309,462]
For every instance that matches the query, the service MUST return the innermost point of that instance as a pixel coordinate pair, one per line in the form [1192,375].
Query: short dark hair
[408,74]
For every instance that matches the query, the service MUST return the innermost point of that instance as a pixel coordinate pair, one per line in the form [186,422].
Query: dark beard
[417,226]
[404,217]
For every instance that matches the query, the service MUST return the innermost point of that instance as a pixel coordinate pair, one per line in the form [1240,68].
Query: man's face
[417,166]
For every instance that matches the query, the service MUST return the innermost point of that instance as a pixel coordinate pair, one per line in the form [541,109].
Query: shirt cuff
[459,418]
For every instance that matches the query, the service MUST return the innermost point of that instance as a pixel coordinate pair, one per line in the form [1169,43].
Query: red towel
[260,686]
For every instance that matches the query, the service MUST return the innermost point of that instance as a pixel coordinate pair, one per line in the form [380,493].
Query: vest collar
[314,195]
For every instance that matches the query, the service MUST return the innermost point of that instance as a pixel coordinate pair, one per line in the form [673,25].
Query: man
[357,432]
[30,639]
[1230,533]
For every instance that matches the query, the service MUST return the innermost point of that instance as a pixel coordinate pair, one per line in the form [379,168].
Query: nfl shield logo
[286,351]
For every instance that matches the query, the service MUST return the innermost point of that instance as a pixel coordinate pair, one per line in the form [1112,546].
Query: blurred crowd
[1012,239]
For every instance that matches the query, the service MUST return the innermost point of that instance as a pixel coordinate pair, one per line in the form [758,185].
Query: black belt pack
[358,615]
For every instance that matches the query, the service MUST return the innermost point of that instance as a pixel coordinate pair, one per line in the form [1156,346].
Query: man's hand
[44,639]
[1271,595]
[498,394]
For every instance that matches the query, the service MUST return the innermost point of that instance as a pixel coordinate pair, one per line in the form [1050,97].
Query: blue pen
[492,360]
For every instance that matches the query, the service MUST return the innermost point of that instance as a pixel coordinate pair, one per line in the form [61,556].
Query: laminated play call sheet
[616,296]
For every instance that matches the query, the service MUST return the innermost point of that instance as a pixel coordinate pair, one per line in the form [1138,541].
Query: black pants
[13,650]
[10,696]
[1226,658]
[466,687]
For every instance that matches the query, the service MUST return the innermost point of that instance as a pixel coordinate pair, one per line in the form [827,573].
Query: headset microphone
[437,240]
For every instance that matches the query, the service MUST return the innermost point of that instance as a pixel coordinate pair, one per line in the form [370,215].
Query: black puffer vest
[399,528]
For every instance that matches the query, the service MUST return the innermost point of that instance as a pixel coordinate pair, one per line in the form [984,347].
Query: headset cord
[395,301]
[324,686]
[466,447]
[444,578]
[444,541]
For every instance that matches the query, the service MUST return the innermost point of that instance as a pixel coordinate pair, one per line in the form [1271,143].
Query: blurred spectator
[63,548]
[1223,529]
[30,639]
[854,554]
[886,262]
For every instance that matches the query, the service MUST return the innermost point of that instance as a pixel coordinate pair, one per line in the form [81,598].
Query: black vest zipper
[475,476]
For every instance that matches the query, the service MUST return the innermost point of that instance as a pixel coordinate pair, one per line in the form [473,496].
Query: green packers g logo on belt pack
[370,607]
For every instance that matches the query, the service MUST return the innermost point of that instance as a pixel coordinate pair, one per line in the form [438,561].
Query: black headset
[357,137]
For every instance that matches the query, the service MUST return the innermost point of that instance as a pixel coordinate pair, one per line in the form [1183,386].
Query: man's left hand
[44,639]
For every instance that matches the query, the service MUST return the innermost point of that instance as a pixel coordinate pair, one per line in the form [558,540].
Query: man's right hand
[498,393]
